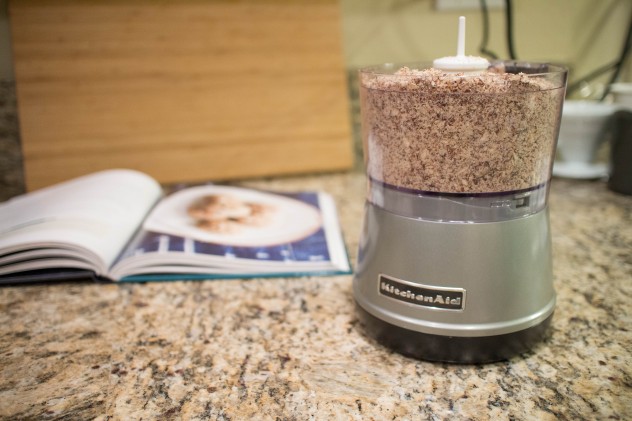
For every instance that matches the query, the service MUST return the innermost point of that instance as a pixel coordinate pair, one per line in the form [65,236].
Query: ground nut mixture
[431,131]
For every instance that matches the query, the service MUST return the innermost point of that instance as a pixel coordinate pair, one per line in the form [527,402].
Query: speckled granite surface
[291,348]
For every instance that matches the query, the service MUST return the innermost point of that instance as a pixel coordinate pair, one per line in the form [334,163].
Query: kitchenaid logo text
[422,295]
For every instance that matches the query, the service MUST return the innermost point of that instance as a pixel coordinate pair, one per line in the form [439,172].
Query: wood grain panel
[185,91]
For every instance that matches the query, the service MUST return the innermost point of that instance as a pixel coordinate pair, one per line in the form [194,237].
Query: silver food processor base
[455,292]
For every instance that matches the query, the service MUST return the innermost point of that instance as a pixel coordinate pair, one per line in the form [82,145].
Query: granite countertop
[292,349]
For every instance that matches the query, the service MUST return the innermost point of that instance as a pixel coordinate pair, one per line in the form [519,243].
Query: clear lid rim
[379,69]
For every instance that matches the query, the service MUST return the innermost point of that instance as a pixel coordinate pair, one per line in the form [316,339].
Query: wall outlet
[456,5]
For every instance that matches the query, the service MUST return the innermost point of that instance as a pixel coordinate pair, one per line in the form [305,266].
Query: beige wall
[583,34]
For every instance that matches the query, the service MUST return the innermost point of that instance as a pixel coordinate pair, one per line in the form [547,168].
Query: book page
[236,216]
[98,212]
[222,229]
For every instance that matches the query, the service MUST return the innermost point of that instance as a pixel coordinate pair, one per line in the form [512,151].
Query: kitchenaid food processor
[454,262]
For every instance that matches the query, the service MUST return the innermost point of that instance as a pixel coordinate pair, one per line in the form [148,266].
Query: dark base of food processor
[452,349]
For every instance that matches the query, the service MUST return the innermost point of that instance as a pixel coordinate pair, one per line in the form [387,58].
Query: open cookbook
[118,225]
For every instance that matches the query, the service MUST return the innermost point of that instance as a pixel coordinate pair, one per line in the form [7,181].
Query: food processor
[454,261]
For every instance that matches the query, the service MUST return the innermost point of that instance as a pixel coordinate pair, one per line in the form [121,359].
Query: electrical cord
[625,52]
[617,65]
[510,29]
[592,75]
[483,48]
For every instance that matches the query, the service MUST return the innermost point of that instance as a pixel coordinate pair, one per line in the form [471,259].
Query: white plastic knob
[461,63]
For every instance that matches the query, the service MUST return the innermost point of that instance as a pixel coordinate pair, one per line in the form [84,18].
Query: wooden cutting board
[184,91]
